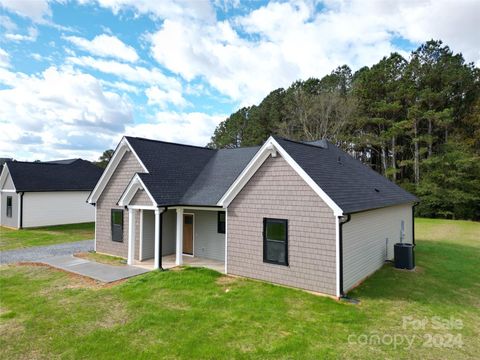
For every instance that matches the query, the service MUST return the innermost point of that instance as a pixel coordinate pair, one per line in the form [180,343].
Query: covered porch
[162,237]
[166,238]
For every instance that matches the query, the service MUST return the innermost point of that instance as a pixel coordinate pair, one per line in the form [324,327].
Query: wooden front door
[188,234]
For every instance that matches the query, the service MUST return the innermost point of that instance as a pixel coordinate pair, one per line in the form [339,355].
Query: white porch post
[140,246]
[131,236]
[179,247]
[158,228]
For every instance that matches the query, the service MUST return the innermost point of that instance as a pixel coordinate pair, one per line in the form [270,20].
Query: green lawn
[14,239]
[197,313]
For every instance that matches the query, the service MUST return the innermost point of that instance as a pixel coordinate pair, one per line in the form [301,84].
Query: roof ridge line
[169,142]
[304,143]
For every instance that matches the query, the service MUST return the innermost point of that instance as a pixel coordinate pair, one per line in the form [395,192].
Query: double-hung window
[117,225]
[221,222]
[9,206]
[275,241]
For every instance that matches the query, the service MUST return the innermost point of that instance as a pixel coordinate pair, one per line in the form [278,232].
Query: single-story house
[300,214]
[47,193]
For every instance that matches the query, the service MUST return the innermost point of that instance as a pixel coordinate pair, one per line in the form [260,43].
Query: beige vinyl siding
[114,189]
[169,231]
[13,221]
[364,241]
[148,241]
[56,208]
[277,191]
[207,242]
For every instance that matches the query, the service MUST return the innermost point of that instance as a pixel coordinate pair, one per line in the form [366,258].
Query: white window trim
[123,147]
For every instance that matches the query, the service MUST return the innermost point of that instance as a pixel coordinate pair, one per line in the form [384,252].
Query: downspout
[342,221]
[413,223]
[21,211]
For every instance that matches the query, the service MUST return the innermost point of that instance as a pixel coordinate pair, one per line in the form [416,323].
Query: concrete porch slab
[97,271]
[168,262]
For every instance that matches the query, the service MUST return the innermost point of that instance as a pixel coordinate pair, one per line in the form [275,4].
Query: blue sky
[77,75]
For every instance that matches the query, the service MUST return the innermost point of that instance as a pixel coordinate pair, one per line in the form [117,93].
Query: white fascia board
[3,178]
[122,147]
[135,184]
[271,147]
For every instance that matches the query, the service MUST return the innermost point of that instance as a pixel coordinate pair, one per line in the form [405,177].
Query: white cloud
[7,23]
[31,36]
[36,10]
[105,46]
[135,74]
[198,9]
[193,128]
[60,111]
[163,98]
[4,59]
[248,56]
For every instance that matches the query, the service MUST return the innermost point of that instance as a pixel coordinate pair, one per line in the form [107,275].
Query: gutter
[342,221]
[413,222]
[21,210]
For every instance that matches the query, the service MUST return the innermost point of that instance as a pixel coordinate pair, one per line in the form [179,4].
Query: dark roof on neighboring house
[188,175]
[352,185]
[54,176]
[3,161]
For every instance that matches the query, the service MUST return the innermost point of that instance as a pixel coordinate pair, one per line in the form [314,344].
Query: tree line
[415,120]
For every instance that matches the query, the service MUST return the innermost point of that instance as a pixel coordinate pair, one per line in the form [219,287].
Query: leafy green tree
[105,158]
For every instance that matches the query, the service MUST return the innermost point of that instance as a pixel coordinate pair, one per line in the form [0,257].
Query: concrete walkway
[101,272]
[37,253]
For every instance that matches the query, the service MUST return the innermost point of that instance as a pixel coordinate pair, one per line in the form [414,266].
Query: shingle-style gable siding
[141,198]
[122,175]
[277,191]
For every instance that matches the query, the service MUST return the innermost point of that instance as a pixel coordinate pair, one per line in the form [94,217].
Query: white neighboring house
[46,193]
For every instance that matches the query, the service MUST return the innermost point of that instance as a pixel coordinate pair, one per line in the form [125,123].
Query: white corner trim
[337,255]
[271,147]
[122,147]
[135,184]
[226,241]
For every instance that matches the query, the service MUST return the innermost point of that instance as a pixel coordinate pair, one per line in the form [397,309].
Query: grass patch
[102,258]
[198,313]
[50,235]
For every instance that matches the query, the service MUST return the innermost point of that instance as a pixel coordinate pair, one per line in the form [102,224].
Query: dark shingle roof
[53,176]
[352,185]
[188,175]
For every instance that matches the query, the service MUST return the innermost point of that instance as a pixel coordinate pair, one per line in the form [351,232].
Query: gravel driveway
[37,253]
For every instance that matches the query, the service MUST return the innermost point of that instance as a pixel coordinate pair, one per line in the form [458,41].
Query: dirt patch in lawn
[78,281]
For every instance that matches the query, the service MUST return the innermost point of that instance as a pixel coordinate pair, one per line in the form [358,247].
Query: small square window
[275,241]
[9,206]
[221,222]
[117,225]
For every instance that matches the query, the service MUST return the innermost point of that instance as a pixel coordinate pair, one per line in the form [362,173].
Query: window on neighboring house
[275,241]
[221,222]
[117,225]
[9,206]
